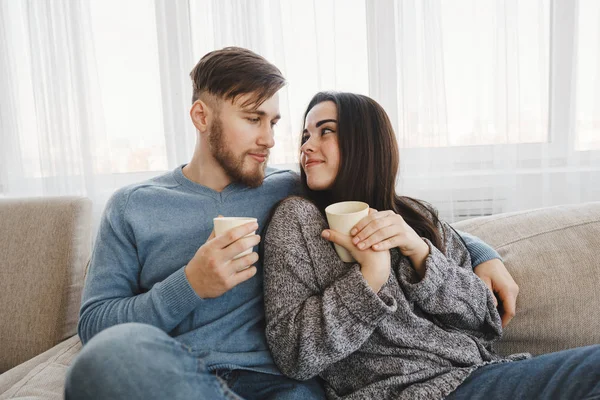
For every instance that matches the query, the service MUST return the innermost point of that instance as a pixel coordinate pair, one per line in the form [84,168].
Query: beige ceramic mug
[342,217]
[224,224]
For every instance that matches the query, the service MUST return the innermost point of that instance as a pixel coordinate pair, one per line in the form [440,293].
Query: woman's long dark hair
[369,163]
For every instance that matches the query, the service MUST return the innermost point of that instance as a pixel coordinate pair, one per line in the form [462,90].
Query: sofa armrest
[552,253]
[45,244]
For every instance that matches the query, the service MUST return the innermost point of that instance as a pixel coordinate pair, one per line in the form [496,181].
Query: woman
[412,322]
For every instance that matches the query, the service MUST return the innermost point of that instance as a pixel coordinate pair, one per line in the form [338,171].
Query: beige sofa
[44,248]
[44,244]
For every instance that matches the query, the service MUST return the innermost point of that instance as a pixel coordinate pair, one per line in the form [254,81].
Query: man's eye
[253,120]
[273,124]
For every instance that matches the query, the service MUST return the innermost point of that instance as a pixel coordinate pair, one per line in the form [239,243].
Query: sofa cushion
[44,246]
[554,256]
[42,377]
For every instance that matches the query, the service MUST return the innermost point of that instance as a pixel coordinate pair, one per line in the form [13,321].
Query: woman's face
[320,152]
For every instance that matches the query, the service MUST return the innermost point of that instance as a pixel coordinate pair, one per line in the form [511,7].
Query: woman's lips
[313,163]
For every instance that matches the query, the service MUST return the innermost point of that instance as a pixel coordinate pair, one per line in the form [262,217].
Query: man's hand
[498,280]
[213,271]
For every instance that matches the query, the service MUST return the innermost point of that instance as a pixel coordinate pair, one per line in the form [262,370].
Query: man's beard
[233,165]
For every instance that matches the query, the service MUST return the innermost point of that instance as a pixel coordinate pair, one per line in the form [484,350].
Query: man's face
[240,138]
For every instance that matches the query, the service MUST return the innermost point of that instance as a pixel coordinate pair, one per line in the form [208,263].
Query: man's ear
[201,114]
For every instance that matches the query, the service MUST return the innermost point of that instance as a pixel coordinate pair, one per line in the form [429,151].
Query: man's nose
[267,137]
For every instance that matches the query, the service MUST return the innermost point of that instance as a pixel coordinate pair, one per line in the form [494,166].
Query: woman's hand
[374,265]
[383,230]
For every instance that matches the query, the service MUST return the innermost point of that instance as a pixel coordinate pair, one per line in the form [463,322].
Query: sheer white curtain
[485,100]
[71,119]
[496,103]
[318,45]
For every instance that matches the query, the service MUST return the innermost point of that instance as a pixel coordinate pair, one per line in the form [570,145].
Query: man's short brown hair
[235,71]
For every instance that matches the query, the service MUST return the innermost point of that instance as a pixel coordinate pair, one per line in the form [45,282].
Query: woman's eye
[305,139]
[326,130]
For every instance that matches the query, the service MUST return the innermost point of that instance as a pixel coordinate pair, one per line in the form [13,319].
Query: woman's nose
[308,146]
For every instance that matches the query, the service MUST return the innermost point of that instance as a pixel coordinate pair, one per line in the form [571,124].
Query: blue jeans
[136,361]
[568,374]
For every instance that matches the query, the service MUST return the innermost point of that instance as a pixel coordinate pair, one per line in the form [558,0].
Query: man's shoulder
[281,182]
[281,175]
[121,197]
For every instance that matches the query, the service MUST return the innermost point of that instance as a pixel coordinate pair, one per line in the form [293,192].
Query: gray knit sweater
[414,339]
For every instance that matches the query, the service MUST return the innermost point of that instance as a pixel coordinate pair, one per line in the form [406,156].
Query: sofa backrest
[554,256]
[45,244]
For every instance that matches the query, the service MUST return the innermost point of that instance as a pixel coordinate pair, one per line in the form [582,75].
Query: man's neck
[206,172]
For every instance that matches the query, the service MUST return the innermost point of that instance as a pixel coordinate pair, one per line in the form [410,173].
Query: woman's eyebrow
[324,121]
[318,124]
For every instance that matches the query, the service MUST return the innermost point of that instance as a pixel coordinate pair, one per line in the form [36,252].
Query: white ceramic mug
[224,224]
[342,217]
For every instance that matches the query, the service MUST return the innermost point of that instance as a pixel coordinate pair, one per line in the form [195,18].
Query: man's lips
[259,157]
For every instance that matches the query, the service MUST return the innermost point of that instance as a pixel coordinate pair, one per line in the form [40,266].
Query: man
[167,312]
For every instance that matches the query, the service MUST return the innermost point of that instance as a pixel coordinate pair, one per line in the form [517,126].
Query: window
[588,76]
[473,72]
[127,62]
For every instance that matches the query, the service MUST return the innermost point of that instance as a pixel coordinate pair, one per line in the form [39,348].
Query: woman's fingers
[373,214]
[386,225]
[338,238]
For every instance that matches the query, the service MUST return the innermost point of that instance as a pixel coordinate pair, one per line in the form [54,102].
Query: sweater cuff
[357,296]
[479,251]
[433,279]
[481,254]
[177,294]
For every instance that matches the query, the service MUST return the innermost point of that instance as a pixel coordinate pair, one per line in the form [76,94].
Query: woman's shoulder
[294,217]
[419,205]
[452,241]
[424,208]
[428,211]
[294,207]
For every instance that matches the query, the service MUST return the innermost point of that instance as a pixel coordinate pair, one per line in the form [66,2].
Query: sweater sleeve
[112,293]
[479,251]
[311,327]
[451,292]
